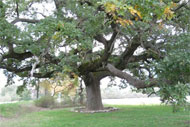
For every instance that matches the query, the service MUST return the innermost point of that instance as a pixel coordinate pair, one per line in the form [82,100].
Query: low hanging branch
[25,20]
[130,79]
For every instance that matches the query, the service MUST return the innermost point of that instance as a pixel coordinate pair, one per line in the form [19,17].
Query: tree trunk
[94,99]
[37,91]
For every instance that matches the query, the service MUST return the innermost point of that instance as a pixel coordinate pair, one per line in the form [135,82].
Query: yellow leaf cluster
[110,7]
[124,22]
[65,87]
[135,12]
[168,12]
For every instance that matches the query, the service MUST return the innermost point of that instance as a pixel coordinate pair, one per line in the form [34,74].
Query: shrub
[45,102]
[67,101]
[25,95]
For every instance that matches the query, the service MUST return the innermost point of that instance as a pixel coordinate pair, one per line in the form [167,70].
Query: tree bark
[130,79]
[37,91]
[94,99]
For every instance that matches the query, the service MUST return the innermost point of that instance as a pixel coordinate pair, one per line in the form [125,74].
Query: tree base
[106,109]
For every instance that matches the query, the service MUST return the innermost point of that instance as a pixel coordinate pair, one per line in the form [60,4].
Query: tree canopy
[144,42]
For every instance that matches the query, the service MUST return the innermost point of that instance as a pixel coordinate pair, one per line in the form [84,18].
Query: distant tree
[60,84]
[94,39]
[9,93]
[7,90]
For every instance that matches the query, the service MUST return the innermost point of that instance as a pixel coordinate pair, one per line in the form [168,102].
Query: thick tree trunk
[94,99]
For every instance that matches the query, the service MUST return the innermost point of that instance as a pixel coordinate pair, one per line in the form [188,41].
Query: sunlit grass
[126,116]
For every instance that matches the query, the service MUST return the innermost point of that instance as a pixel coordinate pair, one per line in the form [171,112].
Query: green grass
[126,116]
[12,109]
[9,110]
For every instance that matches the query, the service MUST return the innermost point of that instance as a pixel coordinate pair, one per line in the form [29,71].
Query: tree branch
[126,55]
[181,5]
[59,3]
[130,79]
[115,32]
[25,20]
[15,69]
[41,75]
[138,58]
[100,39]
[17,9]
[18,56]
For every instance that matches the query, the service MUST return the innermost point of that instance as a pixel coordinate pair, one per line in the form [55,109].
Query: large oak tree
[93,39]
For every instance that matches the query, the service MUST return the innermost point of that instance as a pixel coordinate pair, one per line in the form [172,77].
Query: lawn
[126,116]
[9,110]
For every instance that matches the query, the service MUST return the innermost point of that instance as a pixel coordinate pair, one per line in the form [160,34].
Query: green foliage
[5,28]
[72,101]
[146,10]
[175,95]
[25,95]
[45,102]
[20,89]
[67,101]
[176,65]
[174,72]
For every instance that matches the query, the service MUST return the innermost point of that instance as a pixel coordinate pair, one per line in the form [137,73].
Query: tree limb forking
[130,79]
[127,54]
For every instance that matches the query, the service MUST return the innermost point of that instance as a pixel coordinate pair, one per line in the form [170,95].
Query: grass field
[9,110]
[126,116]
